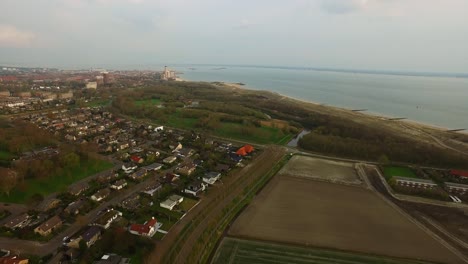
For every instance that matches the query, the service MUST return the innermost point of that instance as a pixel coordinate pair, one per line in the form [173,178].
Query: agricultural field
[239,251]
[391,171]
[320,169]
[305,212]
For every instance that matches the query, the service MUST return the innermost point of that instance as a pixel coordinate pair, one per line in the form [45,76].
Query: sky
[408,35]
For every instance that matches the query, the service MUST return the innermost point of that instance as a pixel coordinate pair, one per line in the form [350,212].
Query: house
[176,148]
[223,168]
[195,188]
[107,177]
[18,222]
[118,185]
[169,160]
[48,204]
[129,168]
[186,169]
[100,195]
[137,159]
[245,150]
[89,236]
[456,187]
[131,202]
[147,229]
[106,219]
[171,202]
[236,158]
[112,259]
[171,178]
[138,175]
[13,259]
[153,167]
[415,183]
[211,177]
[78,188]
[74,207]
[459,173]
[152,188]
[186,152]
[48,226]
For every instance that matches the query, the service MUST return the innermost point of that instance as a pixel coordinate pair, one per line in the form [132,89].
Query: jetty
[397,118]
[456,130]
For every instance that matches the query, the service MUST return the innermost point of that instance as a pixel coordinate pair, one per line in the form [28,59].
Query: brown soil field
[308,167]
[313,213]
[274,123]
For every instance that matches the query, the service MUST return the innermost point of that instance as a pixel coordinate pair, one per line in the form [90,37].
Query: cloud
[11,36]
[343,6]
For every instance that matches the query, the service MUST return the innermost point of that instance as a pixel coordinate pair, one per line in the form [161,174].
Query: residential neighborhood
[160,175]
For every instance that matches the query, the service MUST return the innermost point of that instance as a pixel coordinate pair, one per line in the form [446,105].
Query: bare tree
[8,180]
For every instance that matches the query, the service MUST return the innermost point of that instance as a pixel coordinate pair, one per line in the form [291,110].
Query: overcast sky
[415,35]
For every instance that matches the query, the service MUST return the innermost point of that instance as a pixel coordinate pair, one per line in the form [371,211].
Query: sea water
[440,101]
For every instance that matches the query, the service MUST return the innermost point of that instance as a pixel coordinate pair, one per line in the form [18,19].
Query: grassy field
[148,102]
[233,250]
[5,155]
[328,215]
[390,171]
[259,135]
[55,183]
[187,204]
[97,103]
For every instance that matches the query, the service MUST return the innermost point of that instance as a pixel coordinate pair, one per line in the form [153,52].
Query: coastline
[366,113]
[416,125]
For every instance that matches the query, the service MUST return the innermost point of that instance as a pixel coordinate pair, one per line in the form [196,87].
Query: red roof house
[248,148]
[148,229]
[463,174]
[241,152]
[136,159]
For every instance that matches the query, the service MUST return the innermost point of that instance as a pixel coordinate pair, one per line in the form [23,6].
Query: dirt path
[211,206]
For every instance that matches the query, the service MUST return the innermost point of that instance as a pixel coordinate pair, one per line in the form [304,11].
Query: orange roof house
[245,150]
[241,152]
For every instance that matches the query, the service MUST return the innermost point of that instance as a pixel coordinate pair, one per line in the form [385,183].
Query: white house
[211,177]
[172,201]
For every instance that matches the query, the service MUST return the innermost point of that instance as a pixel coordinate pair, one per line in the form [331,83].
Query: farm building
[456,187]
[412,182]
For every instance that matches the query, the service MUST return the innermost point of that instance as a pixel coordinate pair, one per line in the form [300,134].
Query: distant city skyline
[398,35]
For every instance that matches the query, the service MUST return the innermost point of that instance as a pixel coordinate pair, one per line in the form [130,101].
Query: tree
[70,160]
[383,159]
[8,180]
